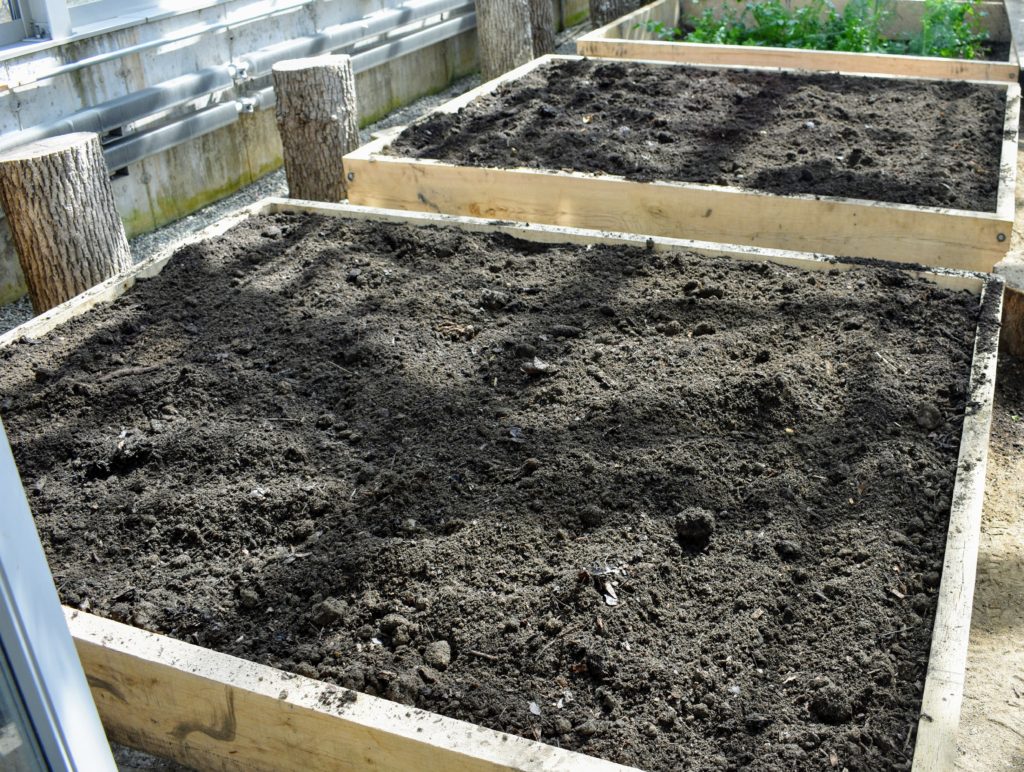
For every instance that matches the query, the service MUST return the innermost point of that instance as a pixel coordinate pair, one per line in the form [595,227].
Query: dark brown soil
[678,512]
[929,143]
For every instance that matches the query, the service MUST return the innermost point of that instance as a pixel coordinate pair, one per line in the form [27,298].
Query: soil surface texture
[929,143]
[677,512]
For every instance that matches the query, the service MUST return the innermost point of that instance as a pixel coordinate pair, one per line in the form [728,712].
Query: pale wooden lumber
[60,209]
[935,749]
[318,120]
[629,38]
[209,710]
[950,238]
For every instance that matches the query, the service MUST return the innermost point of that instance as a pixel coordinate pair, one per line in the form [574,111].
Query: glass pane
[19,751]
[9,11]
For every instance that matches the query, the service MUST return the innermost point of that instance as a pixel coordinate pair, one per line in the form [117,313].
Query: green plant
[950,28]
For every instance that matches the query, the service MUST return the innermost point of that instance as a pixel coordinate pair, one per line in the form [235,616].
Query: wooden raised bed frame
[216,711]
[949,238]
[623,38]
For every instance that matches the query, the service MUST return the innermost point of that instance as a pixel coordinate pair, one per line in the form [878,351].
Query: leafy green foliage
[949,28]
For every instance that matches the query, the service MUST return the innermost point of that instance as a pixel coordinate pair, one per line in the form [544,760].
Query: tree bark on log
[318,121]
[60,209]
[604,11]
[504,35]
[542,27]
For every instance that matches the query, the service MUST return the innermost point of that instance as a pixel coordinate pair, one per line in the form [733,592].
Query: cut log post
[505,37]
[604,11]
[60,209]
[319,123]
[542,27]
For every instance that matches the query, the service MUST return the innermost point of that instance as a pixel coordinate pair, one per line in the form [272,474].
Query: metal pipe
[331,38]
[109,56]
[264,98]
[392,49]
[136,147]
[123,110]
[130,107]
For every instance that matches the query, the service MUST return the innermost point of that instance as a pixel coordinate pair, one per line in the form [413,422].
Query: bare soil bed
[677,512]
[927,143]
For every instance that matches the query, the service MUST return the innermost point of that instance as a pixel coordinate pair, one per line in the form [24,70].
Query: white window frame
[36,641]
[13,31]
[98,11]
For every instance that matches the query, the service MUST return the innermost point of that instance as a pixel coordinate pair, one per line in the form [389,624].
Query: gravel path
[274,184]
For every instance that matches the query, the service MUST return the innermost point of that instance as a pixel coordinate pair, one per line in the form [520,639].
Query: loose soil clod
[349,486]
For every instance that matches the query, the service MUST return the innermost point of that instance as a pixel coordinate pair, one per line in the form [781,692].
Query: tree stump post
[319,123]
[604,11]
[60,209]
[542,27]
[511,33]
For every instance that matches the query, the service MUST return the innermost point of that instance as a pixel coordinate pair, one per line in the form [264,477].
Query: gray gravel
[274,184]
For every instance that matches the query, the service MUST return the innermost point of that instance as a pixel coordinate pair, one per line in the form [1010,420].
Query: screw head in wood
[352,175]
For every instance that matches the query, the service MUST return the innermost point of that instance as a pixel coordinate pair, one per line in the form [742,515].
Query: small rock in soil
[830,705]
[537,367]
[927,416]
[562,726]
[703,328]
[493,299]
[565,331]
[438,655]
[248,598]
[694,526]
[588,728]
[328,612]
[755,722]
[789,549]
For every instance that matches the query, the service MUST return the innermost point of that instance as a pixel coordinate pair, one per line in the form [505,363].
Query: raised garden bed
[617,494]
[630,38]
[780,160]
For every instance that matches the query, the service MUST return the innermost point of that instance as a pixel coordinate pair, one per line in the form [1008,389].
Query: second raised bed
[501,184]
[630,37]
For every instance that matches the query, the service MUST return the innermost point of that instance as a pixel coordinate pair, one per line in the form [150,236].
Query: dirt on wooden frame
[674,511]
[905,141]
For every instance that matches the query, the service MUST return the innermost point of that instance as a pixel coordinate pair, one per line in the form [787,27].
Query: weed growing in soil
[949,28]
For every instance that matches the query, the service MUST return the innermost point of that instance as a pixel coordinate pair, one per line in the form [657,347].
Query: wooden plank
[806,223]
[628,38]
[947,663]
[1006,194]
[213,711]
[815,61]
[948,238]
